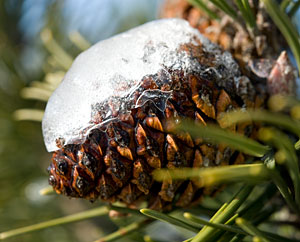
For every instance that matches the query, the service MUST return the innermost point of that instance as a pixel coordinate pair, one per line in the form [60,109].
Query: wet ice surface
[113,68]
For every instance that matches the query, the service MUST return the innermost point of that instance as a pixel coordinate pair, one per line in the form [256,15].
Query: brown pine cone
[112,120]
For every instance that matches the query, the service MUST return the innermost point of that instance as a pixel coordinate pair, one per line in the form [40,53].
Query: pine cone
[113,119]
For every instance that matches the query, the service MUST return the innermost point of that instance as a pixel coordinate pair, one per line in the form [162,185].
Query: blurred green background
[38,40]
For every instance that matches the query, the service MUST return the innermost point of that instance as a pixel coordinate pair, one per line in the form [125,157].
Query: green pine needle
[79,41]
[28,114]
[203,6]
[246,12]
[251,173]
[37,93]
[225,7]
[214,225]
[125,210]
[283,189]
[257,204]
[284,5]
[46,191]
[120,233]
[207,233]
[282,142]
[294,9]
[277,119]
[249,228]
[214,134]
[55,222]
[59,54]
[169,219]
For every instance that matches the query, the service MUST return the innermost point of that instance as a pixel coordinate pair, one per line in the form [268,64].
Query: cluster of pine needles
[268,182]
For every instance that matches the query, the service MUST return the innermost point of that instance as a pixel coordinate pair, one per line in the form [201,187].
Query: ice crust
[115,67]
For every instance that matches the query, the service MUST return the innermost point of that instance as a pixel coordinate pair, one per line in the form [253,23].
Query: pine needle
[277,119]
[124,231]
[79,41]
[28,114]
[214,134]
[203,6]
[251,173]
[214,225]
[246,12]
[225,7]
[55,222]
[249,228]
[59,54]
[282,142]
[294,9]
[206,233]
[169,219]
